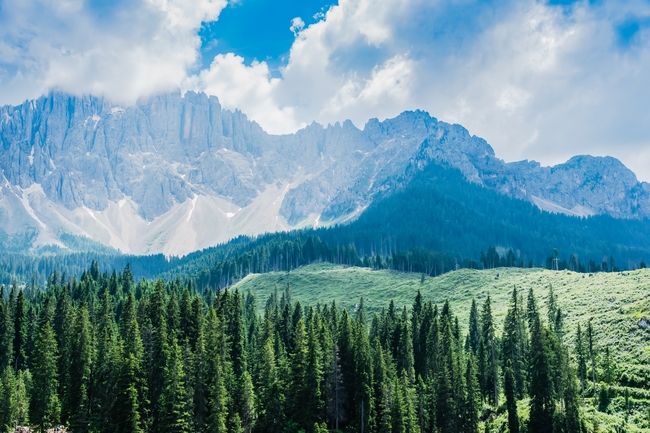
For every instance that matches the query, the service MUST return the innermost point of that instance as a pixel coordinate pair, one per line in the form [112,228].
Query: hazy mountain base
[617,303]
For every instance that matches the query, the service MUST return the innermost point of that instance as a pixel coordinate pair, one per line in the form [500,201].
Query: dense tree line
[432,224]
[104,354]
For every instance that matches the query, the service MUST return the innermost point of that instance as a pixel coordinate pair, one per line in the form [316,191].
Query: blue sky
[538,79]
[257,29]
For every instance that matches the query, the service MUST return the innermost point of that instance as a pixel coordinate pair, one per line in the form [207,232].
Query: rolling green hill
[606,297]
[616,303]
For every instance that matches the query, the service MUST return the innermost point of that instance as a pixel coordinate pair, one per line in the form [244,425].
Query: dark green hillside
[438,211]
[441,211]
[433,223]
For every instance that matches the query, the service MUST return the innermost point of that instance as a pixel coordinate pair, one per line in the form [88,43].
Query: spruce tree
[551,307]
[491,389]
[474,335]
[7,399]
[571,406]
[157,355]
[106,370]
[6,328]
[591,351]
[132,388]
[271,416]
[363,379]
[472,398]
[128,408]
[335,390]
[296,391]
[45,407]
[217,394]
[405,362]
[20,332]
[176,401]
[446,404]
[511,398]
[541,384]
[80,372]
[582,359]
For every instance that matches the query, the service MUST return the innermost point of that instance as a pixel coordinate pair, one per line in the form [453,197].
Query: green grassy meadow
[614,301]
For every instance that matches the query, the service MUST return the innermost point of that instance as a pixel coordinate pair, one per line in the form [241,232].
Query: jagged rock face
[585,185]
[87,152]
[62,154]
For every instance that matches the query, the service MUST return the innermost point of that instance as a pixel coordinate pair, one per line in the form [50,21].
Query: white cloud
[248,88]
[297,24]
[537,81]
[140,48]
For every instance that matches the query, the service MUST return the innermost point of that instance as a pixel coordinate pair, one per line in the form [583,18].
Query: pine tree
[22,398]
[157,354]
[14,401]
[7,399]
[571,406]
[416,323]
[313,402]
[6,328]
[346,352]
[45,407]
[551,307]
[532,312]
[511,398]
[64,319]
[608,367]
[106,368]
[541,386]
[472,398]
[591,352]
[130,412]
[198,371]
[217,395]
[20,332]
[487,329]
[363,379]
[405,362]
[271,417]
[512,345]
[474,335]
[336,393]
[128,408]
[582,359]
[447,415]
[176,400]
[80,372]
[296,389]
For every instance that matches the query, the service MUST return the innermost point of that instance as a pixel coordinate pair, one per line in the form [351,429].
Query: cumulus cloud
[538,81]
[124,49]
[297,24]
[247,88]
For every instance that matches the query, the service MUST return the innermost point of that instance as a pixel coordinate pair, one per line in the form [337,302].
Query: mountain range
[177,173]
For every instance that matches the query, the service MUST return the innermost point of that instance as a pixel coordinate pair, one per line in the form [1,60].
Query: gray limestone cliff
[85,152]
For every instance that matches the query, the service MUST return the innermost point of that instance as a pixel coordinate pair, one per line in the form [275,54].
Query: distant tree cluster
[103,354]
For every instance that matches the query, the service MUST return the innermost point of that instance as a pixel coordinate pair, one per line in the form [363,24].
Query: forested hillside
[105,354]
[436,222]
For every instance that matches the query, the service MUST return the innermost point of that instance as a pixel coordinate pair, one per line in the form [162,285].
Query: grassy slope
[615,302]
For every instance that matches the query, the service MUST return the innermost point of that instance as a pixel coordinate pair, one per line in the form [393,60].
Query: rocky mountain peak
[177,172]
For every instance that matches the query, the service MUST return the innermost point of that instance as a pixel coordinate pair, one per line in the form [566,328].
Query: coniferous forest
[103,354]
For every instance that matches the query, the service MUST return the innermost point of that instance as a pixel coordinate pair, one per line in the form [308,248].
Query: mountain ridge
[177,173]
